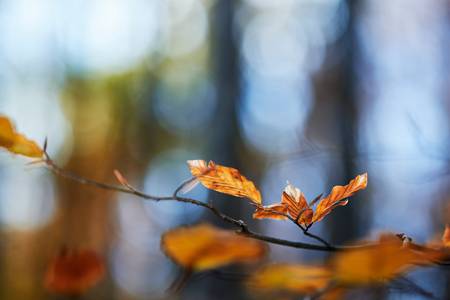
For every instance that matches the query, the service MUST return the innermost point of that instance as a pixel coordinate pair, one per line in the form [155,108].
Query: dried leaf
[15,142]
[274,211]
[203,247]
[74,272]
[294,202]
[377,263]
[337,196]
[224,180]
[289,278]
[297,206]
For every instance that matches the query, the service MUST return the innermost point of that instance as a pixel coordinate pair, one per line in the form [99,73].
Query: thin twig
[317,238]
[241,225]
[305,231]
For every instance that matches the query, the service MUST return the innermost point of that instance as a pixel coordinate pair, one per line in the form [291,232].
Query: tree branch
[241,225]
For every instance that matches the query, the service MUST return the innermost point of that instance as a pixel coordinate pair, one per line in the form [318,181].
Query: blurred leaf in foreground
[15,142]
[73,272]
[202,247]
[379,262]
[294,279]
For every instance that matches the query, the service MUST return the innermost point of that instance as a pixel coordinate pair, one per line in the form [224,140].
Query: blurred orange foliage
[290,278]
[15,142]
[204,246]
[73,272]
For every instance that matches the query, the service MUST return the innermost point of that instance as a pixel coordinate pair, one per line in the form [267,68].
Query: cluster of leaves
[204,247]
[364,264]
[293,204]
[372,264]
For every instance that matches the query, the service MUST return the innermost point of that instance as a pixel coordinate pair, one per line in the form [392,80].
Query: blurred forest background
[310,91]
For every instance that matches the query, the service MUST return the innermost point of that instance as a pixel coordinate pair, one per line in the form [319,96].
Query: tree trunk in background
[227,145]
[333,123]
[225,133]
[225,139]
[99,118]
[347,226]
[85,219]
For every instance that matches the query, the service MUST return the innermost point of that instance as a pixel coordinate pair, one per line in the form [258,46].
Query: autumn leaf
[297,206]
[74,272]
[202,247]
[224,180]
[15,142]
[338,196]
[293,203]
[289,278]
[7,132]
[274,211]
[378,262]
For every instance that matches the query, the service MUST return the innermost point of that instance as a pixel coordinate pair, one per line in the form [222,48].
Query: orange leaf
[297,206]
[274,211]
[337,196]
[7,132]
[202,247]
[15,142]
[224,180]
[291,278]
[446,236]
[293,202]
[74,272]
[377,263]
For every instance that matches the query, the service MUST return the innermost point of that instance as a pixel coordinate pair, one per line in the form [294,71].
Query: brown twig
[305,232]
[306,228]
[128,189]
[241,225]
